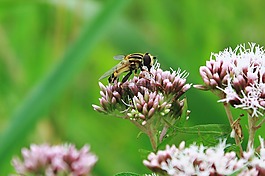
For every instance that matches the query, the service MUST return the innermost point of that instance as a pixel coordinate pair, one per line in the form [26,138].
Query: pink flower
[238,77]
[195,160]
[143,96]
[151,101]
[202,160]
[55,160]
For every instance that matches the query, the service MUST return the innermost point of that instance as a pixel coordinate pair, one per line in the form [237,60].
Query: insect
[129,63]
[238,128]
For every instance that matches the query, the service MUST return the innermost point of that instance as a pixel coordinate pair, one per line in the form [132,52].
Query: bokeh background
[52,53]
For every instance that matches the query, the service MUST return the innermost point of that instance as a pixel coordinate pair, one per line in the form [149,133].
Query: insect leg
[112,78]
[125,78]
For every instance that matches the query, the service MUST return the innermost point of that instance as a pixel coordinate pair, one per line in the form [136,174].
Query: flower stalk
[251,131]
[231,122]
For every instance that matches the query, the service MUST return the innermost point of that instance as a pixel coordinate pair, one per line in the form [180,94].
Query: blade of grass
[44,93]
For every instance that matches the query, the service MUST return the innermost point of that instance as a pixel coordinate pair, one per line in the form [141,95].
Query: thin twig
[231,121]
[149,131]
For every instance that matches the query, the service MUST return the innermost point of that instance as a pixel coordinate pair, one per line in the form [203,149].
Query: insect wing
[121,67]
[109,72]
[119,57]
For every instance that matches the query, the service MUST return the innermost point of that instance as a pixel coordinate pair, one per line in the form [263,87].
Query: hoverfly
[129,63]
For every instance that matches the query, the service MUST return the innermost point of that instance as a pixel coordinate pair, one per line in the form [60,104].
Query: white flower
[251,100]
[240,75]
[195,160]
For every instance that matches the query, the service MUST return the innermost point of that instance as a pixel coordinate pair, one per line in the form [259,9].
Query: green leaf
[48,89]
[217,129]
[208,134]
[127,174]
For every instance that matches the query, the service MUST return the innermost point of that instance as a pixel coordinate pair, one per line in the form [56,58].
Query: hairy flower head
[150,100]
[150,93]
[55,160]
[197,160]
[238,77]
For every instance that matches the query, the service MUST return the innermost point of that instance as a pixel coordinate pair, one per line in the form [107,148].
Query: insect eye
[147,60]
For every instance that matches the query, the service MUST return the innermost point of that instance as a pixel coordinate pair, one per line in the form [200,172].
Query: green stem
[231,122]
[153,138]
[251,131]
[149,131]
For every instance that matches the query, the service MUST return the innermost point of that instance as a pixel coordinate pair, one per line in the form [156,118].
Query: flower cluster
[202,160]
[145,95]
[238,77]
[149,100]
[55,160]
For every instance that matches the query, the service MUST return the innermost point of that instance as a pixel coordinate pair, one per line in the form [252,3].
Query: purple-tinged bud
[172,76]
[165,81]
[156,102]
[141,98]
[133,88]
[107,97]
[102,93]
[136,100]
[216,67]
[113,100]
[141,116]
[201,87]
[237,85]
[186,87]
[103,103]
[223,73]
[152,95]
[217,79]
[139,107]
[109,94]
[146,96]
[252,77]
[151,112]
[163,105]
[248,89]
[262,103]
[116,95]
[145,109]
[205,72]
[206,81]
[209,64]
[168,87]
[150,103]
[101,86]
[213,83]
[98,108]
[158,78]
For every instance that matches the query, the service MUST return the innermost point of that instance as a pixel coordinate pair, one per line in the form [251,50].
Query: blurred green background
[52,53]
